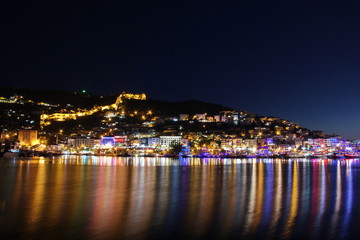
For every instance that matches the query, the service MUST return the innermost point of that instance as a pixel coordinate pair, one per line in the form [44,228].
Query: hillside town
[134,126]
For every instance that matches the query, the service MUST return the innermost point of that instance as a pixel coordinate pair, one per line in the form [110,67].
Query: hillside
[76,99]
[16,116]
[164,108]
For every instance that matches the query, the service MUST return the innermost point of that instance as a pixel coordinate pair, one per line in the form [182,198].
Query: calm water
[142,198]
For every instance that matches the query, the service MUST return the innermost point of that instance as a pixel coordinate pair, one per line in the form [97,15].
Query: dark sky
[299,60]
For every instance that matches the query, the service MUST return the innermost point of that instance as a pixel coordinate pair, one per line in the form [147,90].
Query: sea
[90,197]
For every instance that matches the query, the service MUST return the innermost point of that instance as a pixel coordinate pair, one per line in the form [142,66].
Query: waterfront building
[167,141]
[231,143]
[250,143]
[270,142]
[153,141]
[334,141]
[185,148]
[83,142]
[317,142]
[261,142]
[107,142]
[120,141]
[28,137]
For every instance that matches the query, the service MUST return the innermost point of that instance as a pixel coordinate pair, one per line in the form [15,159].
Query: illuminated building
[334,141]
[28,137]
[117,141]
[108,142]
[120,141]
[318,142]
[167,141]
[227,143]
[298,142]
[200,117]
[85,142]
[250,143]
[153,141]
[324,142]
[184,117]
[217,118]
[270,142]
[185,149]
[261,142]
[278,130]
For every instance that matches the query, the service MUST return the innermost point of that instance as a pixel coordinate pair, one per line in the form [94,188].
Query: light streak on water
[159,198]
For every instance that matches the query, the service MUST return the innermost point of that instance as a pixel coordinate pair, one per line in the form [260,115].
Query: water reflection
[104,197]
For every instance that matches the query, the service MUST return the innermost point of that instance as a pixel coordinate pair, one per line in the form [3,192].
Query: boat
[318,155]
[171,155]
[335,155]
[352,155]
[10,154]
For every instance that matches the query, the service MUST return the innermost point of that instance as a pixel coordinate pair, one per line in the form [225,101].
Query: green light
[83,91]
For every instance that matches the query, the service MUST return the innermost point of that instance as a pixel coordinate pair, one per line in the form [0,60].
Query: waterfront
[76,197]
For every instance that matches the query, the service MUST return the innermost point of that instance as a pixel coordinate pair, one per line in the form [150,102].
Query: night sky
[299,60]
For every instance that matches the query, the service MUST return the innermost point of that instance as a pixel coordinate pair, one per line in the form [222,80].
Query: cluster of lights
[64,115]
